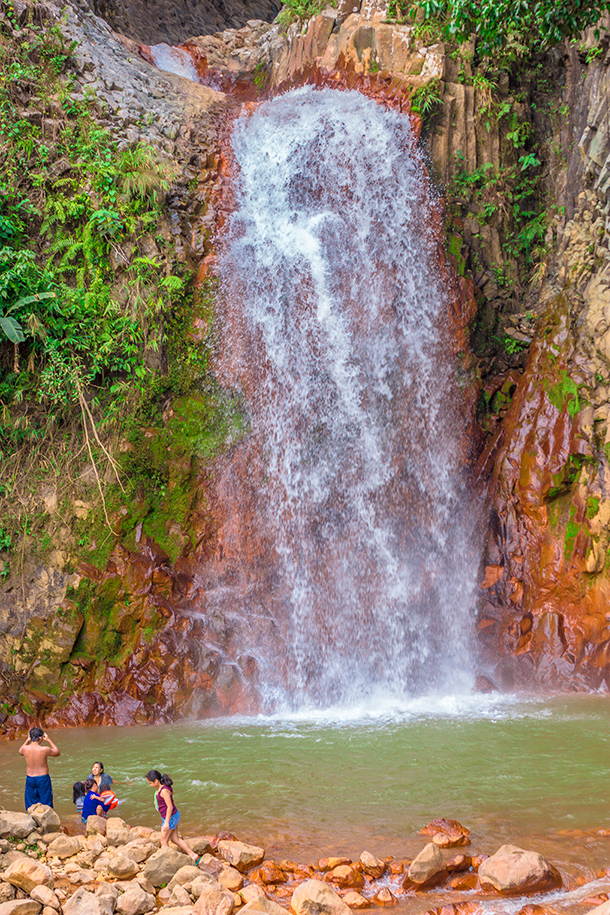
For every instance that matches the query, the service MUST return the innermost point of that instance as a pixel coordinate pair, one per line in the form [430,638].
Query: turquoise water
[532,773]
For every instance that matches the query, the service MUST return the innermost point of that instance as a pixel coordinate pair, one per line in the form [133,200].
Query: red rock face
[545,582]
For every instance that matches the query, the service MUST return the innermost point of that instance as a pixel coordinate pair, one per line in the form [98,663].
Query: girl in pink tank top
[164,802]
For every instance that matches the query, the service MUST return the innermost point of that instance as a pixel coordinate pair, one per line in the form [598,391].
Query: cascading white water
[336,324]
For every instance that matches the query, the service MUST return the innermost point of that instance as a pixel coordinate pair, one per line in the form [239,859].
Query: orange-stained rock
[269,872]
[477,860]
[459,863]
[450,840]
[512,870]
[345,876]
[371,865]
[327,864]
[385,897]
[442,825]
[356,900]
[464,882]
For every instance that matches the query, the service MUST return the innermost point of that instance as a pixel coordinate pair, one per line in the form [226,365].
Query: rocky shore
[113,867]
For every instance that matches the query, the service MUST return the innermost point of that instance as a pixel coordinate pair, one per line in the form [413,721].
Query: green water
[526,772]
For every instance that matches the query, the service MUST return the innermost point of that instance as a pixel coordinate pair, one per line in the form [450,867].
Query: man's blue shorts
[38,790]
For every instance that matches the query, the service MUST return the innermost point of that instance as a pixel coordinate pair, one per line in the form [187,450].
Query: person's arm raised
[25,744]
[54,750]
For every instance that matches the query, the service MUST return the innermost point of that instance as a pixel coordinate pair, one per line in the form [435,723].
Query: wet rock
[327,864]
[442,826]
[371,865]
[240,855]
[27,873]
[161,867]
[314,897]
[385,897]
[428,867]
[459,863]
[346,877]
[513,870]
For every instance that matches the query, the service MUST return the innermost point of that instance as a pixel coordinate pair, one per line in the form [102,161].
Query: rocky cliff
[157,623]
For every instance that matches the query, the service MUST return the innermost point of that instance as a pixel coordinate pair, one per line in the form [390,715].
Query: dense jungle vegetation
[94,308]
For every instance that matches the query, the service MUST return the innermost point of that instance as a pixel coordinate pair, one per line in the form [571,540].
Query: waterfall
[336,327]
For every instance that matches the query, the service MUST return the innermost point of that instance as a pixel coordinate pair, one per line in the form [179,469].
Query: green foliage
[300,10]
[427,98]
[500,24]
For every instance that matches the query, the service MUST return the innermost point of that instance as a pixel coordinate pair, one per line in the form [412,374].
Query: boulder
[186,874]
[327,864]
[7,892]
[314,897]
[251,893]
[200,844]
[514,870]
[63,846]
[95,825]
[385,897]
[20,907]
[211,865]
[372,865]
[46,897]
[122,866]
[240,855]
[26,873]
[83,902]
[346,877]
[213,900]
[428,867]
[263,906]
[117,831]
[447,827]
[179,896]
[161,867]
[18,825]
[230,879]
[135,902]
[138,851]
[46,818]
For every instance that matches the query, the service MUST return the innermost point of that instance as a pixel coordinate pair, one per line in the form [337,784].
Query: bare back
[36,759]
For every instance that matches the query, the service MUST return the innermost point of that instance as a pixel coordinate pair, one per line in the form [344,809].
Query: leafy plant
[427,98]
[495,24]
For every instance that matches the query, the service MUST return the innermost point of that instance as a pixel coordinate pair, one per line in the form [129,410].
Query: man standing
[38,788]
